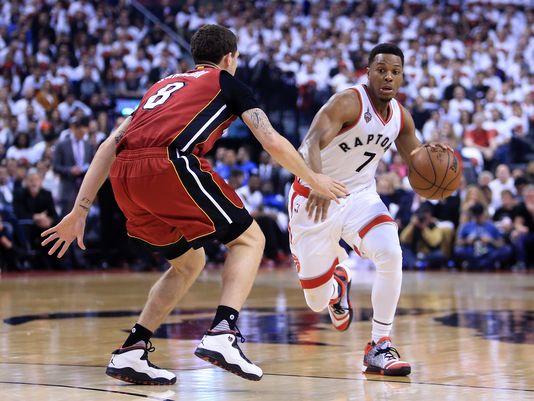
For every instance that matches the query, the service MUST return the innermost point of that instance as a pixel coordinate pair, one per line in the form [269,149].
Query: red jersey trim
[345,129]
[301,189]
[310,283]
[390,109]
[373,223]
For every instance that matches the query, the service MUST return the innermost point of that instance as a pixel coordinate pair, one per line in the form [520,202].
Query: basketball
[435,173]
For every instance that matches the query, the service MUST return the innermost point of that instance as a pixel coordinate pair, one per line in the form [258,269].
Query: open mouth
[386,89]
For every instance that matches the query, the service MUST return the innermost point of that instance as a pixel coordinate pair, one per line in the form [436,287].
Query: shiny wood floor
[467,336]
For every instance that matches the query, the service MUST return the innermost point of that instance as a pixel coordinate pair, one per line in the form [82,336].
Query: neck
[380,105]
[207,64]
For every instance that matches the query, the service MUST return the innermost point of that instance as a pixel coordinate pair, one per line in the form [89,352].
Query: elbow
[273,145]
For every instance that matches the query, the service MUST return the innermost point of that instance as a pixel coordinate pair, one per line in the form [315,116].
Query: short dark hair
[386,48]
[211,42]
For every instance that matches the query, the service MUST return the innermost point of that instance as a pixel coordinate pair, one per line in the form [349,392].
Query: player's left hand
[317,205]
[71,227]
[442,146]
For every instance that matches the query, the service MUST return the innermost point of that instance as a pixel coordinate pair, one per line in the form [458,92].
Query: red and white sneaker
[340,309]
[382,359]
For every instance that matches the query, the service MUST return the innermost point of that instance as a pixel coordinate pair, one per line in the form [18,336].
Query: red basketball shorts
[175,202]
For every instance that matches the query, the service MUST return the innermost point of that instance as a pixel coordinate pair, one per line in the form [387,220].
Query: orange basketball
[435,173]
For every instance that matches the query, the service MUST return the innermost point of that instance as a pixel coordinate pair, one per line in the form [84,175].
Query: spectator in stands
[67,109]
[229,163]
[9,131]
[503,181]
[23,152]
[481,139]
[503,216]
[473,195]
[35,209]
[243,161]
[8,253]
[252,198]
[522,235]
[72,157]
[421,241]
[480,245]
[47,98]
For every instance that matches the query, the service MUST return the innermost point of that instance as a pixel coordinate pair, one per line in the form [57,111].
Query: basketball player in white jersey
[346,140]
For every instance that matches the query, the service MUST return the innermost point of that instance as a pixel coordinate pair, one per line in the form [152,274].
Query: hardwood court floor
[467,336]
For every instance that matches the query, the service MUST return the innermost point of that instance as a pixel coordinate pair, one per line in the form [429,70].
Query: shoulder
[350,97]
[344,106]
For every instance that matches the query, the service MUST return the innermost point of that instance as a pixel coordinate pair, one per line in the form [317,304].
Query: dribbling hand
[71,227]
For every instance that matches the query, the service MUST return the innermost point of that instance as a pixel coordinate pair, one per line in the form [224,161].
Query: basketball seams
[424,178]
[441,189]
[438,187]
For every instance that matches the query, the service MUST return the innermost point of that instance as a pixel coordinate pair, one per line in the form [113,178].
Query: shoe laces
[388,353]
[149,348]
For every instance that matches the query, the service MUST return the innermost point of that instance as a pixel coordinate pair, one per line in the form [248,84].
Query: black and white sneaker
[221,349]
[131,364]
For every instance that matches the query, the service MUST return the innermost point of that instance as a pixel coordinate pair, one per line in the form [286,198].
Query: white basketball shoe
[221,349]
[131,364]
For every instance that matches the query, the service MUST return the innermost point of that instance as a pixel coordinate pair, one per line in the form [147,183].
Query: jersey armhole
[345,129]
[401,117]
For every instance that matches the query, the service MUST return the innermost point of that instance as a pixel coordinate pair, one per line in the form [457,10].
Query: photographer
[480,245]
[421,241]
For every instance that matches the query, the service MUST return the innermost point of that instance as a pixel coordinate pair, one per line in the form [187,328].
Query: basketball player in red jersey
[174,202]
[346,140]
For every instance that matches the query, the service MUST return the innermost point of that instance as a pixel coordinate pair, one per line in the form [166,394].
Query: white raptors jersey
[353,155]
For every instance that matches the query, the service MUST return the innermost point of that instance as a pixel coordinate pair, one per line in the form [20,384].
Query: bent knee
[253,237]
[389,259]
[318,298]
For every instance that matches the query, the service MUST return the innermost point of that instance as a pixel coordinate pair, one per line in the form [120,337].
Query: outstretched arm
[340,111]
[73,224]
[288,157]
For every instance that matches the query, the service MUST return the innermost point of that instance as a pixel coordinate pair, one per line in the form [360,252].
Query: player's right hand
[329,187]
[317,207]
[71,227]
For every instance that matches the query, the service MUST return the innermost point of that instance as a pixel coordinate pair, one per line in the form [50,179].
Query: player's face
[385,76]
[232,67]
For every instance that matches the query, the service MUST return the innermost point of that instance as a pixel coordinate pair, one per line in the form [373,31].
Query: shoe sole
[131,376]
[375,370]
[217,359]
[351,313]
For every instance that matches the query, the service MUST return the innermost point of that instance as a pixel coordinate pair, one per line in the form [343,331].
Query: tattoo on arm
[85,204]
[260,120]
[119,136]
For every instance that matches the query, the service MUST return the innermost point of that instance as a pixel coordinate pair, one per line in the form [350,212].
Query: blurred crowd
[65,67]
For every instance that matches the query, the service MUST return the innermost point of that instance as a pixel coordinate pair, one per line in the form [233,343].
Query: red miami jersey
[187,112]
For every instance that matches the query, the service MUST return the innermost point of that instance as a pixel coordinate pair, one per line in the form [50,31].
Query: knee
[318,298]
[389,259]
[253,237]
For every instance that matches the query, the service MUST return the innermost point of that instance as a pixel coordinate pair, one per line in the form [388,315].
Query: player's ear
[227,60]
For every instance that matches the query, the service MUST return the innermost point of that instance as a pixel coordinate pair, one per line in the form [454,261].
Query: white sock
[382,246]
[380,330]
